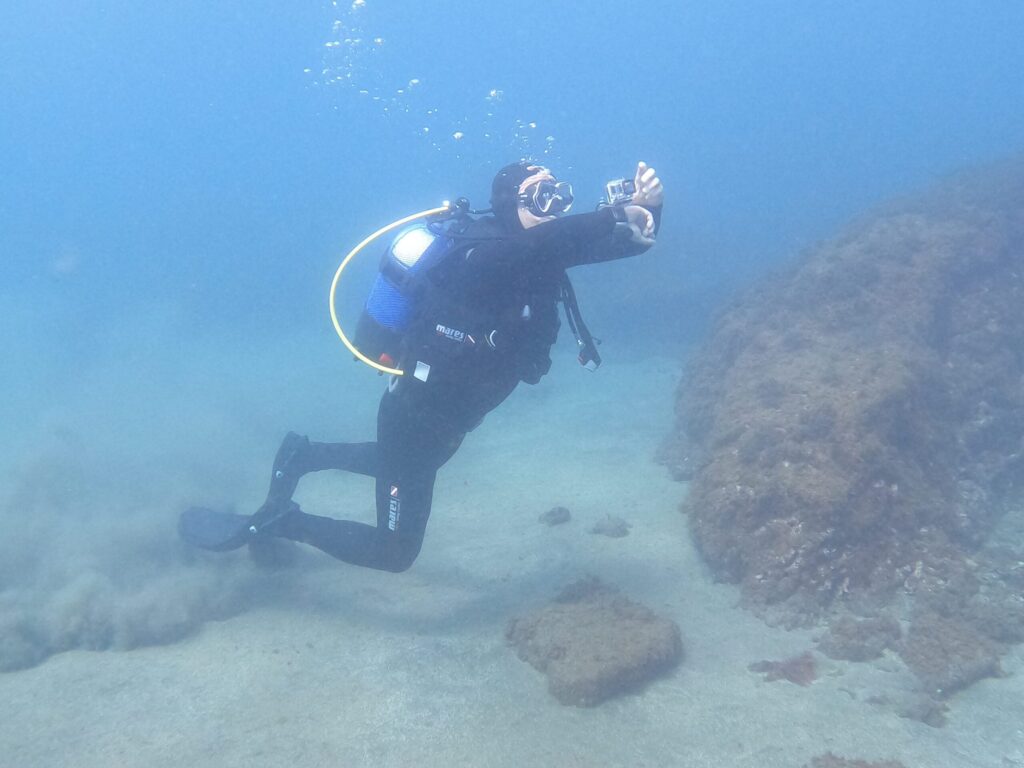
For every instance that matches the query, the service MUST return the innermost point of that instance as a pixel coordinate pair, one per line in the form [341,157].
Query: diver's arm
[606,234]
[587,239]
[582,228]
[627,239]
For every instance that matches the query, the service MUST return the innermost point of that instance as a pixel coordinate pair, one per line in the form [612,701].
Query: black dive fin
[213,530]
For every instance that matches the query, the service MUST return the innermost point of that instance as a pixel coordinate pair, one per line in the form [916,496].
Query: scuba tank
[392,301]
[398,290]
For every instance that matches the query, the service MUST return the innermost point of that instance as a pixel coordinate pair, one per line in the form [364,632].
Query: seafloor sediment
[854,428]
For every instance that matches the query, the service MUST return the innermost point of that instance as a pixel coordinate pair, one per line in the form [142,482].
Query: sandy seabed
[337,666]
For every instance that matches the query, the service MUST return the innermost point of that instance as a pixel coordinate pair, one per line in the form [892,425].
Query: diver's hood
[505,194]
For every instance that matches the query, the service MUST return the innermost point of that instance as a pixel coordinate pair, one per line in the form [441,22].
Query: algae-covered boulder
[593,643]
[855,427]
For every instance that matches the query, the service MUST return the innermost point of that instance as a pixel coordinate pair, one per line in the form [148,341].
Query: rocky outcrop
[854,428]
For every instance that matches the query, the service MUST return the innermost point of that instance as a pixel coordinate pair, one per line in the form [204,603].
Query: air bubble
[351,61]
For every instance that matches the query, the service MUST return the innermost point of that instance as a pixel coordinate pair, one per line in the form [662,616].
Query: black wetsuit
[487,323]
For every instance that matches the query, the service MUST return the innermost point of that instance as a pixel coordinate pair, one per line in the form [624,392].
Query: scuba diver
[483,318]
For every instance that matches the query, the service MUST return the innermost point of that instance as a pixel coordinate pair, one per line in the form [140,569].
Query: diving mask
[547,197]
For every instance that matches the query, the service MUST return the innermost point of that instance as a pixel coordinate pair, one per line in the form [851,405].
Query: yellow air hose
[344,263]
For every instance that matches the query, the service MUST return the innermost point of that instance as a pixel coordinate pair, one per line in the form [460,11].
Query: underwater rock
[854,427]
[801,669]
[914,705]
[948,655]
[852,639]
[612,526]
[594,643]
[555,516]
[923,708]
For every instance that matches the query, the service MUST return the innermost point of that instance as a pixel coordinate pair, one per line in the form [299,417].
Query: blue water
[178,181]
[180,150]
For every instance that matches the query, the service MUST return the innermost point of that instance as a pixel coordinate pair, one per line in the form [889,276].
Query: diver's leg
[298,456]
[410,450]
[391,545]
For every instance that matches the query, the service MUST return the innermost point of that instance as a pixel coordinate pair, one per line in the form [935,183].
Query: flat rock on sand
[594,643]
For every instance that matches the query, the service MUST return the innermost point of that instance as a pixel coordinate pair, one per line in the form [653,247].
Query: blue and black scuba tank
[394,299]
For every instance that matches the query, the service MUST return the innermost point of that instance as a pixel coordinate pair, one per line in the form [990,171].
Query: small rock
[555,516]
[612,526]
[802,669]
[948,654]
[923,708]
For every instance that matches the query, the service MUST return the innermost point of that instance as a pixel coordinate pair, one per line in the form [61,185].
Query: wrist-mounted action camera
[620,191]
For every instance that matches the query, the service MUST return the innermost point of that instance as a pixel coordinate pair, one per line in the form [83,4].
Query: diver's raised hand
[649,191]
[641,221]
